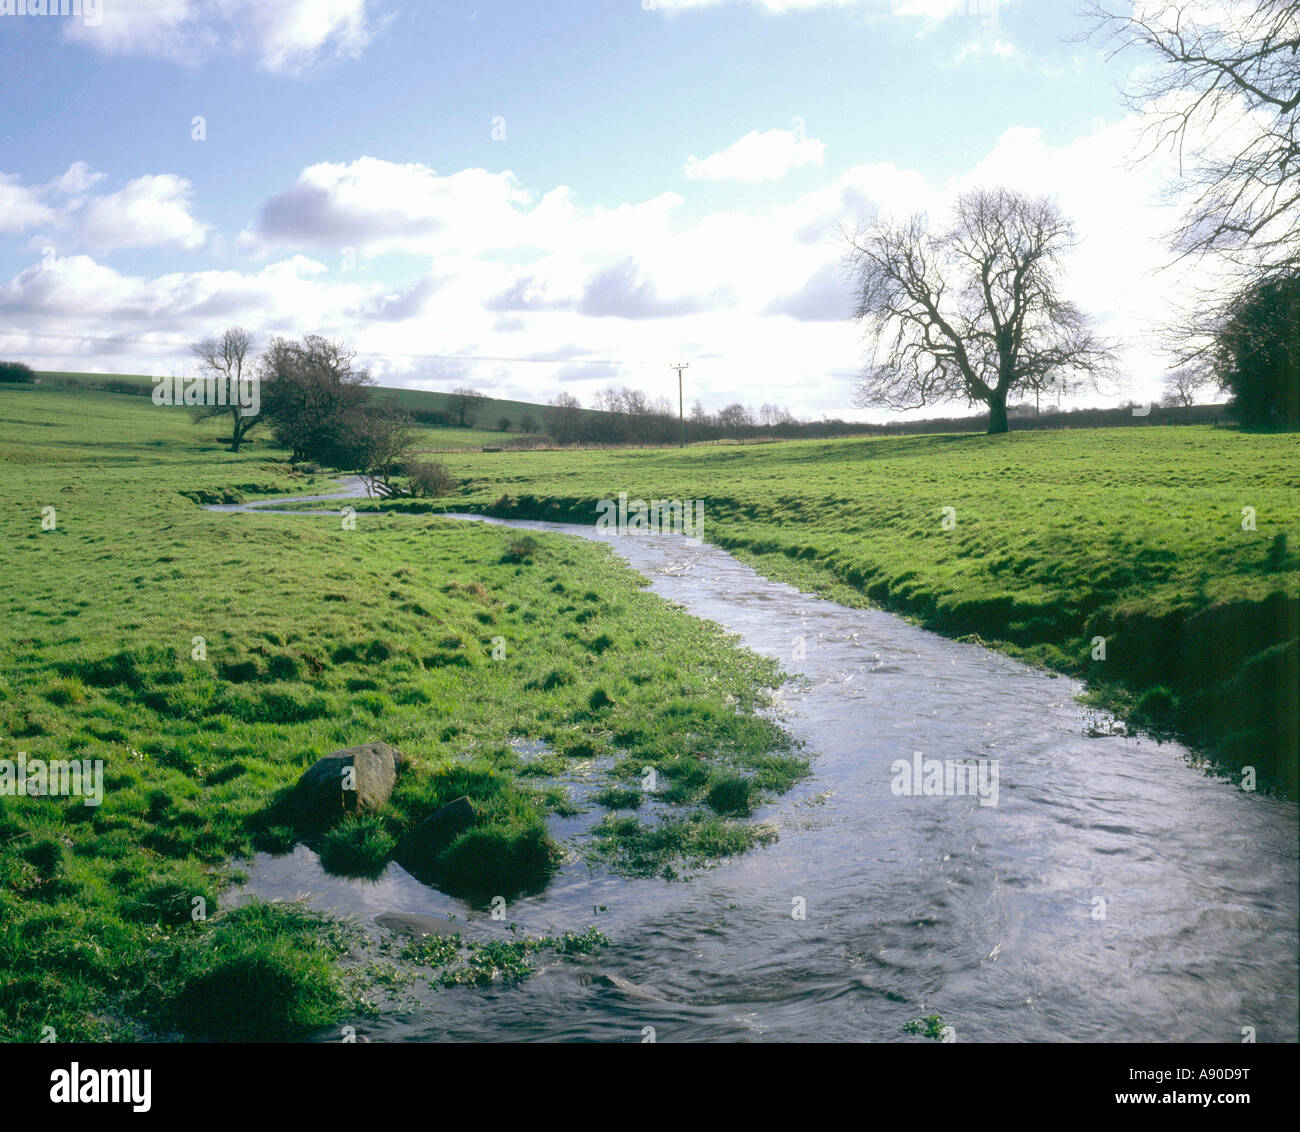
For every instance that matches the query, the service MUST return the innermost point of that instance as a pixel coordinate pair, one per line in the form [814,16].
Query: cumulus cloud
[378,205]
[91,291]
[151,211]
[21,207]
[400,305]
[285,37]
[757,157]
[824,297]
[76,181]
[528,293]
[623,290]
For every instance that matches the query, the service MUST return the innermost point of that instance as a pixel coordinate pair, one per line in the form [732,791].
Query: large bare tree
[224,358]
[972,311]
[1222,89]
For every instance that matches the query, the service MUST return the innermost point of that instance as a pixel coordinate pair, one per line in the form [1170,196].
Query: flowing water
[1113,892]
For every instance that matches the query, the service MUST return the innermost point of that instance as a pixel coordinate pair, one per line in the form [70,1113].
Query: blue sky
[667,184]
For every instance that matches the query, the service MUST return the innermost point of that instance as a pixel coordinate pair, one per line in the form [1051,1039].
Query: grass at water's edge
[208,659]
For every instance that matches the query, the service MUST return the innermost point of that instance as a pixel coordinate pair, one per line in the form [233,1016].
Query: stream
[1113,892]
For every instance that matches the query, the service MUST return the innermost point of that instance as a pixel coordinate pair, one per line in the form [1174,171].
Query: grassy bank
[440,638]
[1139,536]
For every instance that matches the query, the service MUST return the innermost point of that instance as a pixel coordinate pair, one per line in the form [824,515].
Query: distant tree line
[630,416]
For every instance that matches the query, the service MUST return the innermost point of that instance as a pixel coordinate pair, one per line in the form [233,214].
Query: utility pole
[681,415]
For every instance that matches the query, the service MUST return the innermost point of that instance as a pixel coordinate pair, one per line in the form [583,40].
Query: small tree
[973,311]
[464,403]
[1257,355]
[503,424]
[431,479]
[378,445]
[16,373]
[528,423]
[223,359]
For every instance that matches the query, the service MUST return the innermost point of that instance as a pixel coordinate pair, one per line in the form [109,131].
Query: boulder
[355,780]
[411,923]
[418,851]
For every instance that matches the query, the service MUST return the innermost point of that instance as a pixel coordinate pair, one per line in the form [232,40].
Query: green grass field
[484,432]
[1136,535]
[314,638]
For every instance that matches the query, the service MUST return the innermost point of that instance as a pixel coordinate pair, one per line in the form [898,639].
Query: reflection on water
[1114,893]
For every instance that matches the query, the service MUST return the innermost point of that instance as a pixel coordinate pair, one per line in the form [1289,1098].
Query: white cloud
[285,36]
[380,205]
[76,181]
[623,290]
[757,157]
[151,211]
[290,37]
[20,206]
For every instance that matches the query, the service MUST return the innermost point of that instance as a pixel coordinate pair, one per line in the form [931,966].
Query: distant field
[488,410]
[1135,535]
[314,638]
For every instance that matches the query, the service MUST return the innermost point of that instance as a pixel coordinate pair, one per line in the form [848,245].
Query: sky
[534,197]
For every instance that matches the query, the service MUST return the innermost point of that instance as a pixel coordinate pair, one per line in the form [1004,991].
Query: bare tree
[223,359]
[607,400]
[1224,94]
[379,442]
[735,419]
[566,418]
[973,311]
[1182,384]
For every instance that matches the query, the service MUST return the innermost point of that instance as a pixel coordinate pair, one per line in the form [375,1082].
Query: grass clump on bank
[360,846]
